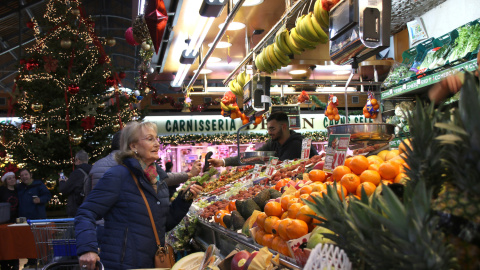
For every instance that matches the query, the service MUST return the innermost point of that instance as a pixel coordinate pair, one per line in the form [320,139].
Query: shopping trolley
[68,265]
[54,240]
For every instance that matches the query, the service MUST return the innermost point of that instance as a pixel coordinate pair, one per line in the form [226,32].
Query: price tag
[271,166]
[336,151]
[256,169]
[306,144]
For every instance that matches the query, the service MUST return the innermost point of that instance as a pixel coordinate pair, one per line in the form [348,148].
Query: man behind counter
[286,143]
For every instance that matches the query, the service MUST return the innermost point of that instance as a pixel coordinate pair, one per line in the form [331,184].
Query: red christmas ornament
[103,59]
[111,81]
[11,168]
[122,75]
[22,62]
[30,24]
[32,64]
[156,19]
[26,126]
[73,89]
[88,122]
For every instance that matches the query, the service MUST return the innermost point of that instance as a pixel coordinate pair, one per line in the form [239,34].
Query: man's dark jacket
[73,187]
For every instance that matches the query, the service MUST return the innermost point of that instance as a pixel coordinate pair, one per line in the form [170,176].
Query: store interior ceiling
[113,17]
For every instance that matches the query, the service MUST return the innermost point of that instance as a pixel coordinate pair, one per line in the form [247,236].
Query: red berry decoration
[26,126]
[30,24]
[111,81]
[73,89]
[122,75]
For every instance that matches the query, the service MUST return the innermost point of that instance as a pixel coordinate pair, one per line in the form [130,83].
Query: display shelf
[226,241]
[419,86]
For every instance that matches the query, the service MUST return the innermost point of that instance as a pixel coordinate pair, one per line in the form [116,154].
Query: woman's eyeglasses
[152,139]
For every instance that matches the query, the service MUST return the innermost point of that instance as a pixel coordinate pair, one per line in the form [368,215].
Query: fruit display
[225,178]
[236,85]
[331,111]
[370,110]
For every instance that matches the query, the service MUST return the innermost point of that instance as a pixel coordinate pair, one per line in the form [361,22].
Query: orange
[339,172]
[270,223]
[281,183]
[393,153]
[284,215]
[373,101]
[336,117]
[273,209]
[231,206]
[347,161]
[404,145]
[275,242]
[370,176]
[219,215]
[284,201]
[358,164]
[318,187]
[389,170]
[341,189]
[382,154]
[261,220]
[259,237]
[368,187]
[387,182]
[315,194]
[282,229]
[292,201]
[293,210]
[317,175]
[282,247]
[350,181]
[303,197]
[303,213]
[374,160]
[374,167]
[399,177]
[275,227]
[297,193]
[268,239]
[297,228]
[307,189]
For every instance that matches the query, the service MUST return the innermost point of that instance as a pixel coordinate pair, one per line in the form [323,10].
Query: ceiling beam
[15,11]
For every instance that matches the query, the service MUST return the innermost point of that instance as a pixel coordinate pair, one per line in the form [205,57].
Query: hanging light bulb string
[67,111]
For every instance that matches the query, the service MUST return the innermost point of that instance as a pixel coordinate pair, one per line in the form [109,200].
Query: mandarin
[358,164]
[284,201]
[261,220]
[292,201]
[282,247]
[318,187]
[374,167]
[347,161]
[317,175]
[297,228]
[339,172]
[341,190]
[275,227]
[399,177]
[374,160]
[382,154]
[268,239]
[275,242]
[368,187]
[393,153]
[303,197]
[259,237]
[270,223]
[350,181]
[282,228]
[405,145]
[389,170]
[370,176]
[273,208]
[315,194]
[293,210]
[284,215]
[306,189]
[303,213]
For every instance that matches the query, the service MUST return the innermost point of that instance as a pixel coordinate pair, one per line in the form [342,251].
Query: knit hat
[7,174]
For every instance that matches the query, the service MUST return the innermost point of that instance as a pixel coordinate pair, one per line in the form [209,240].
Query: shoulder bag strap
[148,207]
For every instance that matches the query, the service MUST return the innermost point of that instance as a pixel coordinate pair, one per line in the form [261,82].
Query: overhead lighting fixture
[141,7]
[297,71]
[204,71]
[249,3]
[181,73]
[233,26]
[221,44]
[213,59]
[212,8]
[341,72]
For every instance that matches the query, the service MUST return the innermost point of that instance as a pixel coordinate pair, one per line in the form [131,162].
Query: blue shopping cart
[54,240]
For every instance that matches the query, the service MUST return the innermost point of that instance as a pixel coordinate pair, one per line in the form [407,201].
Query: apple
[319,165]
[291,183]
[299,184]
[249,260]
[239,260]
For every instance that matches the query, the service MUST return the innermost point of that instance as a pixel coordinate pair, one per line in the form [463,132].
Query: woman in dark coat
[129,241]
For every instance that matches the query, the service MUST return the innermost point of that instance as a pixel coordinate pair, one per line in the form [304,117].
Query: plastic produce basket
[326,256]
[4,212]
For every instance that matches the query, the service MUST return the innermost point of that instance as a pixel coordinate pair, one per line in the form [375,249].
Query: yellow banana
[318,29]
[258,64]
[239,90]
[321,15]
[305,29]
[230,85]
[263,60]
[241,78]
[300,41]
[283,58]
[281,43]
[224,107]
[292,45]
[272,60]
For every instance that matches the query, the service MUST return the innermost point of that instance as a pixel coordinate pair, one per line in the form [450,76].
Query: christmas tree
[67,94]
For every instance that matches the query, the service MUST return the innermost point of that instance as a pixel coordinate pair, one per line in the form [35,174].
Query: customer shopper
[449,85]
[8,193]
[33,196]
[73,187]
[286,143]
[129,241]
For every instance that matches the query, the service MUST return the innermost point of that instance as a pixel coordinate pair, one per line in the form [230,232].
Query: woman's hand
[195,190]
[88,260]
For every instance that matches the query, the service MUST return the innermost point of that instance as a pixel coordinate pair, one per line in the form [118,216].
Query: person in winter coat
[129,241]
[8,193]
[33,196]
[286,143]
[73,187]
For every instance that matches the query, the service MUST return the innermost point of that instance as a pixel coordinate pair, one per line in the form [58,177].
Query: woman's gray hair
[130,134]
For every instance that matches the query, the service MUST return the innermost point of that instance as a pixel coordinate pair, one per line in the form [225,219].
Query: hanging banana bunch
[307,34]
[236,85]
